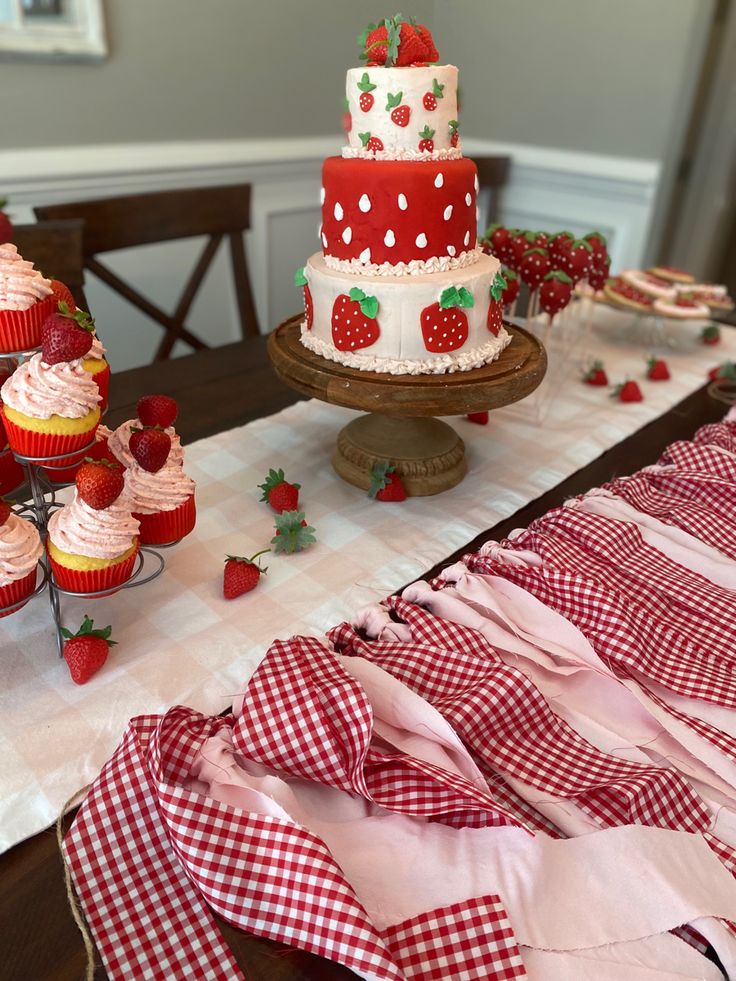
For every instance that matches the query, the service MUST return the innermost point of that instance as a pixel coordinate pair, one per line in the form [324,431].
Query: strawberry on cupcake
[162,494]
[153,410]
[20,550]
[26,300]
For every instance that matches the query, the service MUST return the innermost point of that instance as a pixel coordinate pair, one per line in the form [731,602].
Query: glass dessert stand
[401,424]
[148,566]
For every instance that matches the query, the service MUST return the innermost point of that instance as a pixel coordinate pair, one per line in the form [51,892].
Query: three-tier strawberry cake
[400,285]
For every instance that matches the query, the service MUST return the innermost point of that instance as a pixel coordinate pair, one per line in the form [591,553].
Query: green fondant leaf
[393,100]
[369,306]
[365,84]
[299,278]
[559,275]
[357,294]
[426,133]
[465,298]
[498,285]
[449,298]
[437,89]
[364,137]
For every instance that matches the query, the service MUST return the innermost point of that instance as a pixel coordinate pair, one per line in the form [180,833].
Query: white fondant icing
[451,250]
[466,239]
[389,239]
[365,203]
[403,203]
[421,241]
[365,255]
[321,195]
[324,241]
[447,214]
[439,180]
[468,199]
[347,235]
[337,211]
[350,152]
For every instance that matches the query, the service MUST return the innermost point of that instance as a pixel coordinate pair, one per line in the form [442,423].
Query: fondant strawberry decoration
[534,266]
[99,483]
[400,114]
[444,325]
[726,370]
[394,41]
[354,323]
[494,319]
[293,534]
[301,280]
[386,484]
[157,410]
[86,651]
[498,236]
[597,242]
[710,334]
[426,143]
[511,290]
[66,335]
[479,418]
[430,99]
[559,244]
[541,241]
[454,132]
[370,142]
[596,375]
[599,269]
[627,391]
[150,448]
[555,292]
[241,575]
[519,242]
[6,225]
[575,259]
[657,370]
[367,98]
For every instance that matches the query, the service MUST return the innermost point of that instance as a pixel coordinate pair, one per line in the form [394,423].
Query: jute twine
[70,894]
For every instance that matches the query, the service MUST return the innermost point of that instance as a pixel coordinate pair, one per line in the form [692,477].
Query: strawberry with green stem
[367,98]
[66,335]
[99,482]
[657,369]
[595,375]
[727,370]
[292,533]
[241,575]
[711,334]
[534,266]
[86,651]
[394,41]
[301,280]
[444,325]
[386,483]
[400,114]
[157,410]
[494,318]
[575,260]
[370,142]
[627,391]
[430,100]
[426,143]
[354,323]
[512,288]
[279,493]
[454,132]
[555,292]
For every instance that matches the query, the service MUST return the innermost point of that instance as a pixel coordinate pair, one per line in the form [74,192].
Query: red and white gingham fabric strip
[303,713]
[147,918]
[701,458]
[721,434]
[468,941]
[503,718]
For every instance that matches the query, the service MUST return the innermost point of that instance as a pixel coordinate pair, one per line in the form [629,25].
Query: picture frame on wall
[52,29]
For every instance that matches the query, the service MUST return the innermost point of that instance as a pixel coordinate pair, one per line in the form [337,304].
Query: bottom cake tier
[404,325]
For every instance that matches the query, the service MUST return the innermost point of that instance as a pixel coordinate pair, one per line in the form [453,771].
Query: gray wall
[581,74]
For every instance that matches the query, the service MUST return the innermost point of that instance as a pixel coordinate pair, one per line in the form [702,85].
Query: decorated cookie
[672,274]
[684,307]
[650,284]
[622,294]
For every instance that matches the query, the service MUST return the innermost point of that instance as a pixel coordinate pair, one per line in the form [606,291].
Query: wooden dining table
[218,389]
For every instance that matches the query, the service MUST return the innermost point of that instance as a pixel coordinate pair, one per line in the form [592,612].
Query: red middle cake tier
[398,211]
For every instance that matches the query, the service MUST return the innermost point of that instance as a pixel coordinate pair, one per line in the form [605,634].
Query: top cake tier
[403,113]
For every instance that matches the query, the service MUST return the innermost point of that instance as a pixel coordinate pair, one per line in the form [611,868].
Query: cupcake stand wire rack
[149,563]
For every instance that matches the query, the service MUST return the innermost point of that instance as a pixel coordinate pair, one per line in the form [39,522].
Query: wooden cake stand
[399,426]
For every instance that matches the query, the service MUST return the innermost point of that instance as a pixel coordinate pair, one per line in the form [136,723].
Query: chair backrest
[55,248]
[164,216]
[493,174]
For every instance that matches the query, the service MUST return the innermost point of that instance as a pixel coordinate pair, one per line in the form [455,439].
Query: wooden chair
[141,219]
[55,248]
[493,174]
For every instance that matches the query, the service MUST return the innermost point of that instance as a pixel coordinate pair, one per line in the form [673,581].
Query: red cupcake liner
[28,442]
[164,527]
[103,383]
[93,580]
[11,473]
[20,330]
[16,591]
[67,475]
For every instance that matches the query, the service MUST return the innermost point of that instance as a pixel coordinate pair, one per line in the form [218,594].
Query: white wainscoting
[548,189]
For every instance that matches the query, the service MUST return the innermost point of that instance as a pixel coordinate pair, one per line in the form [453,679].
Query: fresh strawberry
[512,288]
[628,391]
[354,323]
[596,375]
[432,54]
[597,241]
[394,42]
[599,270]
[369,142]
[66,335]
[367,98]
[99,482]
[711,334]
[386,484]
[444,325]
[426,143]
[4,511]
[59,291]
[429,99]
[279,493]
[301,280]
[399,114]
[555,292]
[559,244]
[150,448]
[3,435]
[534,266]
[479,418]
[6,226]
[157,410]
[412,48]
[86,651]
[241,574]
[454,132]
[657,370]
[725,370]
[292,532]
[494,318]
[375,41]
[575,260]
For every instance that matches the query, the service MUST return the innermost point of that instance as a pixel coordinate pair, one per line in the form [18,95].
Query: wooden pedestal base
[428,454]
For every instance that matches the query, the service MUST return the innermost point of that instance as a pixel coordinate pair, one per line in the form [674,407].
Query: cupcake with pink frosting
[119,444]
[96,364]
[26,300]
[162,495]
[20,550]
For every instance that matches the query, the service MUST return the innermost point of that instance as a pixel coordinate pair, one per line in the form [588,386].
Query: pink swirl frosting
[161,491]
[103,534]
[97,350]
[119,444]
[20,284]
[43,390]
[20,549]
